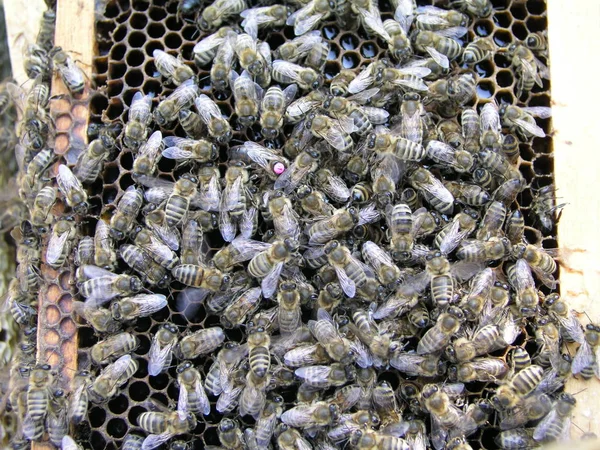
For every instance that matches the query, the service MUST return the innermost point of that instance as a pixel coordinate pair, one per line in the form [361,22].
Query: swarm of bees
[370,229]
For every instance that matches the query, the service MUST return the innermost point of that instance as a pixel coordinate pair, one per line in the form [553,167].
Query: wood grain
[22,26]
[573,38]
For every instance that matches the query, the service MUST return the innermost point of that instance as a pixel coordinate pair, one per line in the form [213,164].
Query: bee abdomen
[260,361]
[442,289]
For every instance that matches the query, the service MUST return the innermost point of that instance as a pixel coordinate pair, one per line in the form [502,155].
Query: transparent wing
[270,282]
[372,20]
[543,112]
[207,109]
[453,32]
[209,196]
[348,286]
[362,81]
[159,357]
[438,57]
[154,440]
[55,247]
[531,128]
[66,180]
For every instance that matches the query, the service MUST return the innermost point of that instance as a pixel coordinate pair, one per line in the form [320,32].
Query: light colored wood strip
[22,26]
[573,38]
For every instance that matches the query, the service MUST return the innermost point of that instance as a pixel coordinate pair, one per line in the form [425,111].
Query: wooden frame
[573,34]
[573,38]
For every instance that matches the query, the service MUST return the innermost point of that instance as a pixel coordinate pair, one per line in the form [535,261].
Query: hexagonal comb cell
[128,35]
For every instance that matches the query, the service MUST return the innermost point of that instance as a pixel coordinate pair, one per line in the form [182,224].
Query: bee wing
[438,57]
[149,303]
[298,416]
[583,358]
[540,430]
[287,69]
[336,189]
[372,19]
[368,214]
[531,128]
[95,272]
[207,109]
[202,398]
[348,286]
[250,25]
[376,115]
[404,14]
[438,190]
[464,270]
[453,32]
[177,153]
[417,282]
[489,118]
[154,440]
[119,367]
[362,355]
[305,20]
[430,19]
[159,357]
[270,282]
[71,72]
[66,180]
[287,223]
[407,362]
[531,70]
[189,301]
[362,81]
[543,112]
[482,282]
[158,183]
[364,96]
[247,222]
[571,326]
[265,51]
[169,236]
[226,226]
[441,152]
[231,194]
[376,256]
[186,92]
[262,155]
[290,179]
[452,238]
[55,247]
[209,196]
[314,374]
[208,43]
[289,93]
[166,61]
[248,248]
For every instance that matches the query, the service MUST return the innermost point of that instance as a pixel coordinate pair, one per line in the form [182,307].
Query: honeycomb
[127,35]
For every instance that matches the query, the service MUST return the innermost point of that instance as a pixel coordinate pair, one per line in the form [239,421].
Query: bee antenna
[578,392]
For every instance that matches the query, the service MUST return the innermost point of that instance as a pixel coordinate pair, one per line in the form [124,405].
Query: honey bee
[239,250]
[206,49]
[141,262]
[162,426]
[102,285]
[438,337]
[480,369]
[99,318]
[289,314]
[532,407]
[310,15]
[265,425]
[306,355]
[200,342]
[273,108]
[191,124]
[433,19]
[36,62]
[335,132]
[247,95]
[370,440]
[263,17]
[481,251]
[351,273]
[335,188]
[90,162]
[136,129]
[161,349]
[330,297]
[287,73]
[59,245]
[557,424]
[258,356]
[441,45]
[254,57]
[104,252]
[191,392]
[469,194]
[270,161]
[72,76]
[113,376]
[78,404]
[253,397]
[230,434]
[157,221]
[492,222]
[587,359]
[398,42]
[186,150]
[128,207]
[477,51]
[319,414]
[155,248]
[113,347]
[540,261]
[243,305]
[325,230]
[269,264]
[564,317]
[218,127]
[38,392]
[417,365]
[460,160]
[477,8]
[521,384]
[71,189]
[201,276]
[326,332]
[388,273]
[168,109]
[528,68]
[171,68]
[432,190]
[522,120]
[219,11]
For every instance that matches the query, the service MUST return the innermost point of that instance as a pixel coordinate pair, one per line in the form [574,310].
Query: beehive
[126,38]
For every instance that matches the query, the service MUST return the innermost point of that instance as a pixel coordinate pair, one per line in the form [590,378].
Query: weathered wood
[573,37]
